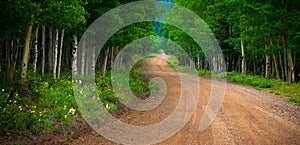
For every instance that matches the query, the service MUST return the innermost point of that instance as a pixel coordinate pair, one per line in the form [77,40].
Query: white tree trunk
[60,51]
[43,50]
[35,49]
[267,66]
[243,57]
[26,54]
[82,58]
[198,61]
[87,59]
[105,61]
[268,62]
[290,66]
[55,54]
[74,56]
[93,63]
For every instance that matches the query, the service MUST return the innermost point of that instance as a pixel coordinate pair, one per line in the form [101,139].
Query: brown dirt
[247,116]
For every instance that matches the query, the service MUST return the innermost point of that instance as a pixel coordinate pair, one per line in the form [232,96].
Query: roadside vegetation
[49,105]
[277,87]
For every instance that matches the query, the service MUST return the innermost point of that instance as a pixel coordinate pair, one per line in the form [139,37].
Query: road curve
[247,116]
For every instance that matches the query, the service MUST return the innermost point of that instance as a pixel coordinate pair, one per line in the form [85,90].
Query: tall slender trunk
[294,70]
[191,60]
[35,49]
[11,60]
[117,61]
[43,49]
[280,62]
[60,52]
[8,47]
[281,66]
[50,51]
[285,59]
[74,56]
[93,61]
[112,56]
[267,75]
[198,58]
[268,61]
[82,58]
[276,66]
[26,51]
[87,60]
[105,62]
[243,57]
[55,53]
[290,66]
[275,63]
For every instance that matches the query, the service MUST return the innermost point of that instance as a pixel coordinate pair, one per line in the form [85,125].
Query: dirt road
[247,116]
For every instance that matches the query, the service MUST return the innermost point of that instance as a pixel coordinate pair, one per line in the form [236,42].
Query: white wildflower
[107,106]
[72,111]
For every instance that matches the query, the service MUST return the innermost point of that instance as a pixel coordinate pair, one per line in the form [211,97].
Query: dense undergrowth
[277,87]
[43,106]
[48,104]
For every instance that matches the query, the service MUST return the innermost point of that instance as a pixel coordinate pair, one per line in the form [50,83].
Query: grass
[277,87]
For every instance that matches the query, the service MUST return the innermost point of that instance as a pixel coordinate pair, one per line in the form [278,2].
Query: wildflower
[50,117]
[107,106]
[15,101]
[66,115]
[72,111]
[20,107]
[2,90]
[32,111]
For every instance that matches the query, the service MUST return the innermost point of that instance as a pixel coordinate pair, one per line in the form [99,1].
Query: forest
[260,41]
